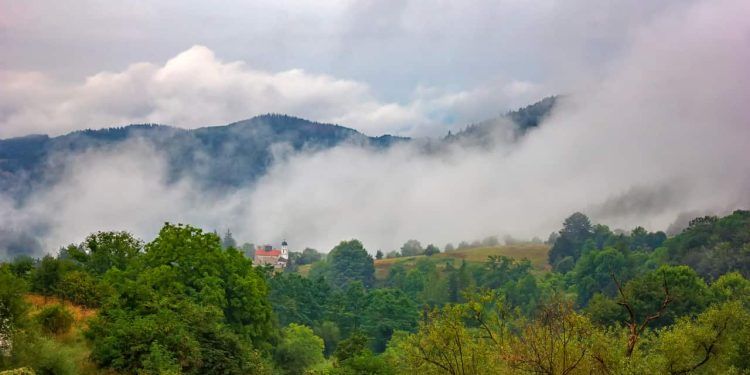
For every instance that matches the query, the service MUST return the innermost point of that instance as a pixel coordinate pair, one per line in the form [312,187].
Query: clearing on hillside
[536,253]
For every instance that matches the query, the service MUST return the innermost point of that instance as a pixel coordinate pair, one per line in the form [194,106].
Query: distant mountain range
[218,156]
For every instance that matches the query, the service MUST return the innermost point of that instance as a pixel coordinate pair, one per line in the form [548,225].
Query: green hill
[536,253]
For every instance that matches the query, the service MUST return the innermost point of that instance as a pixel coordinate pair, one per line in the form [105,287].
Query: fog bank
[666,131]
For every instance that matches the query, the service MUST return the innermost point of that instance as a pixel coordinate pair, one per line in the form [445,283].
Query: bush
[81,288]
[55,319]
[33,354]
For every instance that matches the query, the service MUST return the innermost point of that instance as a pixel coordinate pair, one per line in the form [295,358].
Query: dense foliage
[611,302]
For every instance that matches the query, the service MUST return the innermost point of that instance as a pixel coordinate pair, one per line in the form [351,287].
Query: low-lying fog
[665,132]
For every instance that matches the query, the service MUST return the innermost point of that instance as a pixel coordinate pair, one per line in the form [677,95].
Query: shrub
[55,319]
[81,288]
[34,354]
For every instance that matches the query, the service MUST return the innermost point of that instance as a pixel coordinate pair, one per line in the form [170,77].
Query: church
[267,255]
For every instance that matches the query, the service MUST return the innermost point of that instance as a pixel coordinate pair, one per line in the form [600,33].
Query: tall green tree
[576,231]
[411,248]
[349,261]
[228,240]
[387,311]
[188,301]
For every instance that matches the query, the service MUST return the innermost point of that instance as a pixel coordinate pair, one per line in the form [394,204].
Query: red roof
[268,253]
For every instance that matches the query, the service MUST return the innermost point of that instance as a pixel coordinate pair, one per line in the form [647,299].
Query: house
[267,255]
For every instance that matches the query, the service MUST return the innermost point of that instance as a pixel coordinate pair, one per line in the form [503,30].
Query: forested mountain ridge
[522,120]
[215,156]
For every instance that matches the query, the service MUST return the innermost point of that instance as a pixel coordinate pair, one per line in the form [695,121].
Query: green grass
[304,269]
[536,253]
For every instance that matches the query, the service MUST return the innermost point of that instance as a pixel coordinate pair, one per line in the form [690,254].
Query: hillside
[216,156]
[536,253]
[223,156]
[183,303]
[522,120]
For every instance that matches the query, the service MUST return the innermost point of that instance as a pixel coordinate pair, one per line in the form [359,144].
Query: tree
[557,341]
[454,284]
[354,345]
[13,307]
[297,299]
[363,363]
[349,261]
[248,249]
[715,342]
[449,247]
[22,266]
[309,256]
[688,293]
[493,241]
[104,250]
[216,276]
[730,287]
[592,273]
[431,250]
[205,307]
[411,248]
[635,323]
[576,230]
[378,255]
[48,273]
[299,349]
[82,288]
[228,241]
[714,246]
[387,311]
[443,344]
[346,307]
[331,335]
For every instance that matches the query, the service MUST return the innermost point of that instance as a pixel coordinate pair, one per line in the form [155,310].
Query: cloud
[362,63]
[196,89]
[663,132]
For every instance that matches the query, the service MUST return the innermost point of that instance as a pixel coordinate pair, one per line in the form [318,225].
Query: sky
[654,126]
[415,68]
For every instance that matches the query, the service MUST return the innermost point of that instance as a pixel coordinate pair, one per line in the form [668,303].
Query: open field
[536,253]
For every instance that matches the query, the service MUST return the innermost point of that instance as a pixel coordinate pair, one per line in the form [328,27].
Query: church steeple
[284,249]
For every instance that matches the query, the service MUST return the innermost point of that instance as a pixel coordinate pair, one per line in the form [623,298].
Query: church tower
[284,249]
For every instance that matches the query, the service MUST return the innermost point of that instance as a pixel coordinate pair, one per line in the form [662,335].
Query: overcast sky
[655,127]
[404,67]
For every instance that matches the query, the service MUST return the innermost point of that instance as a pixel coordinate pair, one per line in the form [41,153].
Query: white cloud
[195,89]
[664,131]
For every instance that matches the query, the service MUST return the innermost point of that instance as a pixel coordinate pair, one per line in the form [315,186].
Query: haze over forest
[347,187]
[650,127]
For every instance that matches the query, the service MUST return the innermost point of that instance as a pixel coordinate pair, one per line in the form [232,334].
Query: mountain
[510,126]
[219,156]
